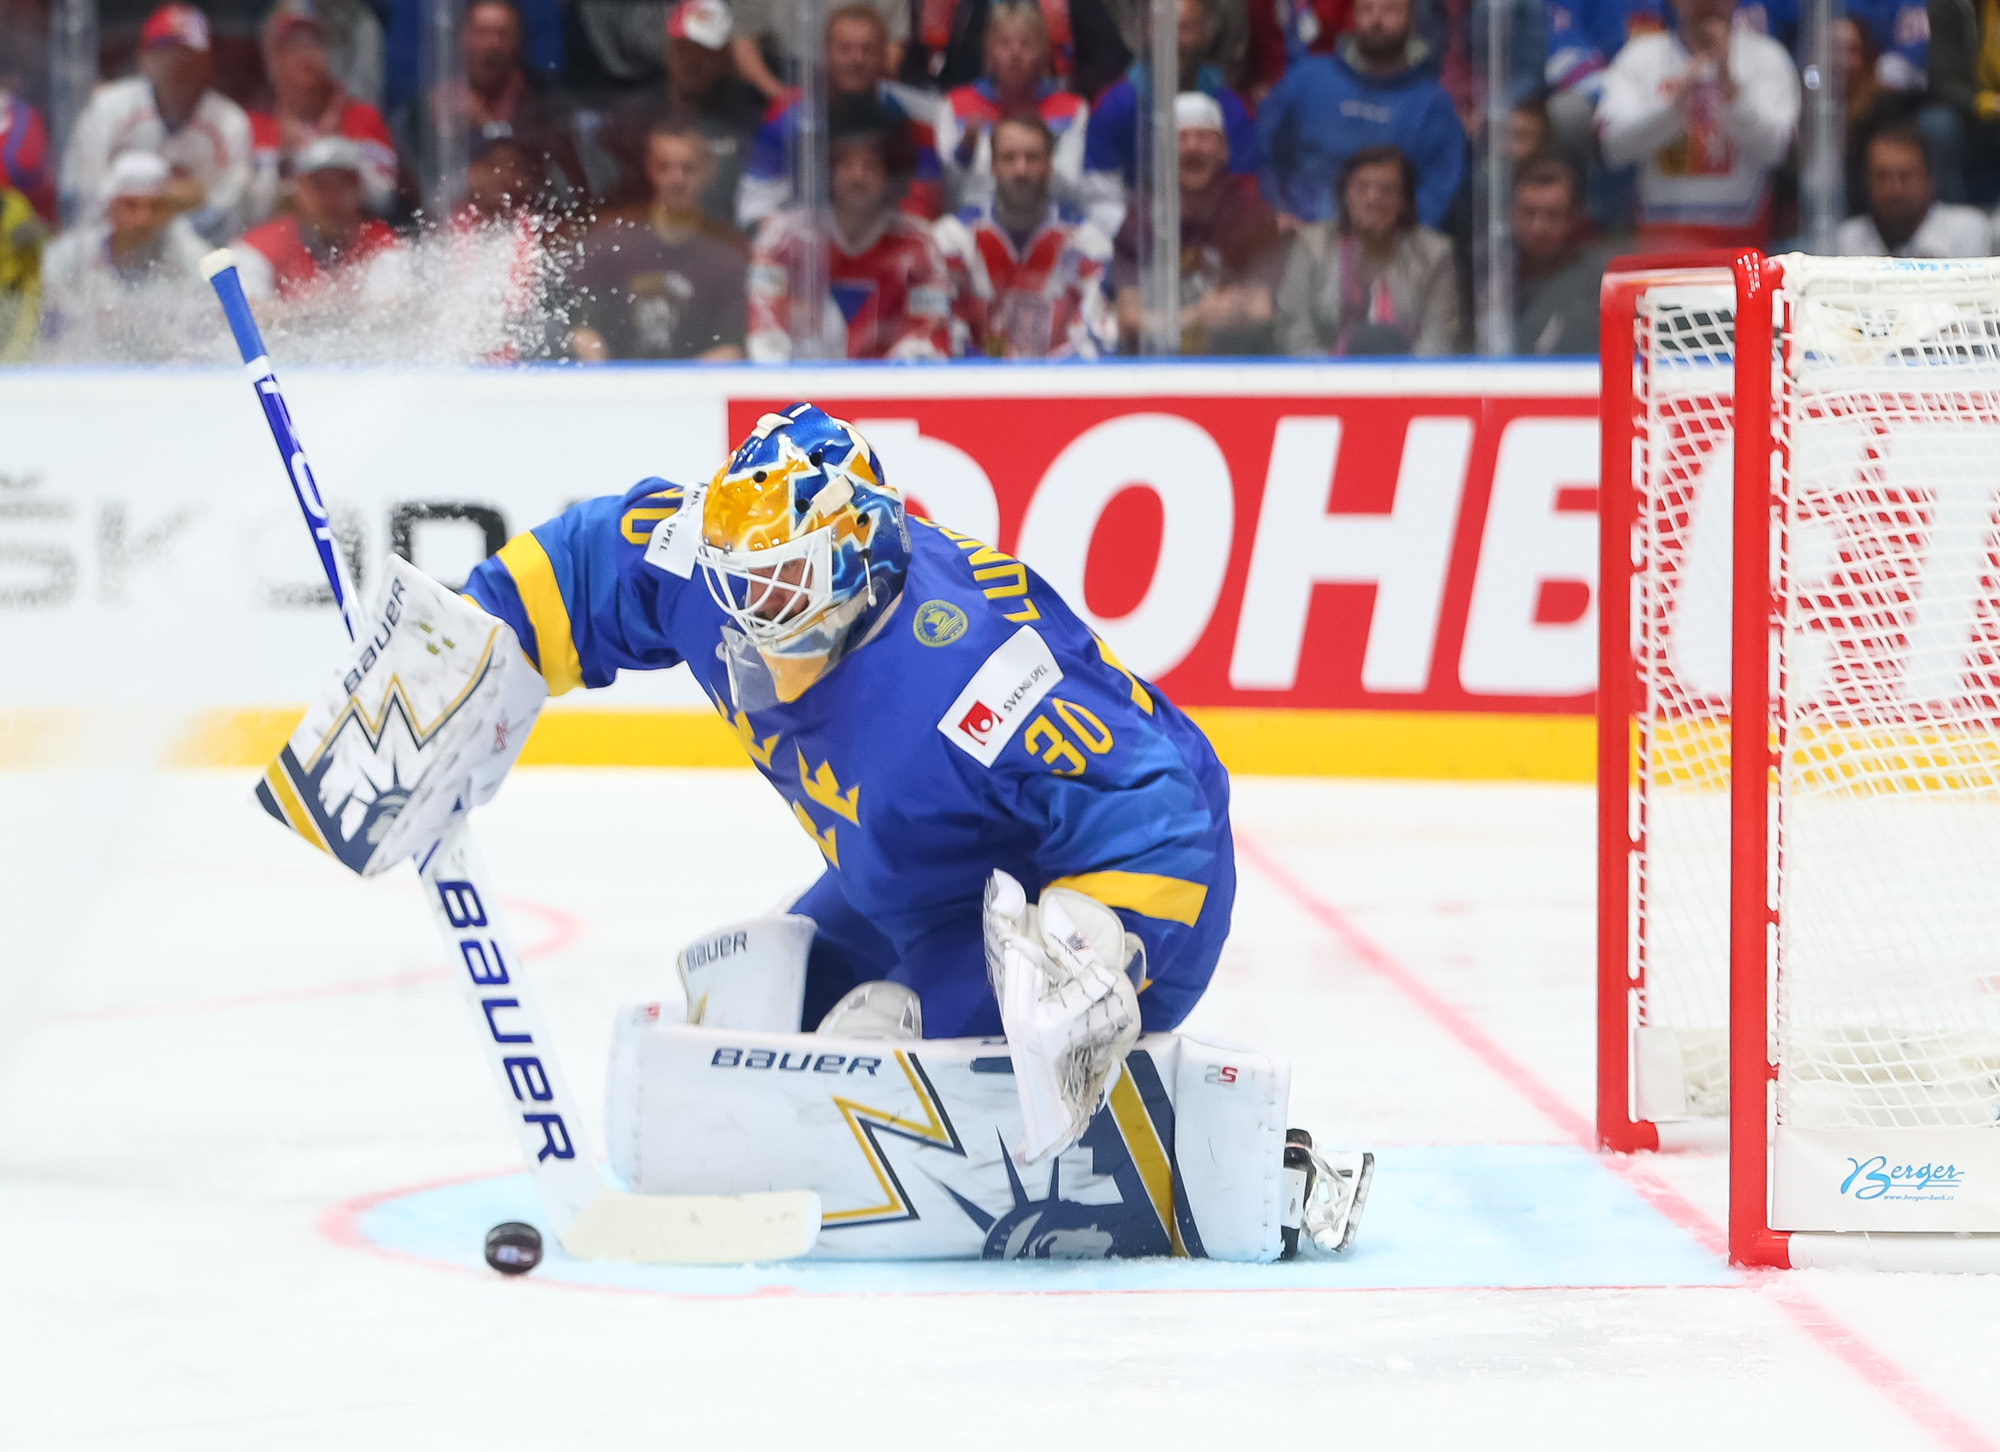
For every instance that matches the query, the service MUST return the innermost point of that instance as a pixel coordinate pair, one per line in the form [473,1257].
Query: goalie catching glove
[424,720]
[1058,968]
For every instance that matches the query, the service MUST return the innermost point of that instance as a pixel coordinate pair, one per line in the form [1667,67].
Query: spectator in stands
[1870,107]
[704,92]
[1899,32]
[1231,250]
[1111,141]
[351,32]
[1962,123]
[1557,272]
[887,295]
[1457,33]
[327,233]
[1375,282]
[94,272]
[1707,111]
[1904,218]
[169,110]
[496,236]
[619,54]
[1376,91]
[1283,32]
[501,180]
[540,24]
[857,59]
[763,36]
[502,97]
[1225,27]
[948,42]
[24,153]
[1027,273]
[309,102]
[665,281]
[22,236]
[1016,83]
[1583,36]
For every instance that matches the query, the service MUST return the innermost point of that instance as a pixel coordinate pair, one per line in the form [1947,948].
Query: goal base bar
[1877,1250]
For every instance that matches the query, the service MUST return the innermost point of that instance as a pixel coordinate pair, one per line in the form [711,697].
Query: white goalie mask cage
[777,613]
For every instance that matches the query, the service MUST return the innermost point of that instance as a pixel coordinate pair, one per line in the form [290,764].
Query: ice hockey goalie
[1023,842]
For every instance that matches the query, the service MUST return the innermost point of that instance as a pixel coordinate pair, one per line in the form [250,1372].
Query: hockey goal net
[1801,569]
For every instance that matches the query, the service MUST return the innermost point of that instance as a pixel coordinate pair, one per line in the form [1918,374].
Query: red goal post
[1801,511]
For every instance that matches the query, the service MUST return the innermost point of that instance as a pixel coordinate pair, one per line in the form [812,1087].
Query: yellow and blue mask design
[804,544]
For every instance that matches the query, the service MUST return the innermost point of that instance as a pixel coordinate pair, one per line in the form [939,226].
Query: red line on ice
[1916,1401]
[565,929]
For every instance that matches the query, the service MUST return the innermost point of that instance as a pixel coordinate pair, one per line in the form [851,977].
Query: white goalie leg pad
[424,720]
[749,975]
[1069,1011]
[905,1142]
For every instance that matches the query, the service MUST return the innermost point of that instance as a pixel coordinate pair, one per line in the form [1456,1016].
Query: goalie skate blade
[1363,1169]
[695,1229]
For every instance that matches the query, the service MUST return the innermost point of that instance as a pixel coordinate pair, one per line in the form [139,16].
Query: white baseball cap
[1197,111]
[137,174]
[328,153]
[705,22]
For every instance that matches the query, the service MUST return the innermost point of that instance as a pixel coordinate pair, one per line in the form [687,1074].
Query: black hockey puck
[513,1248]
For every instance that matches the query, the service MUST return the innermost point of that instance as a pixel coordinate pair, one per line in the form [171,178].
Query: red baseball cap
[175,25]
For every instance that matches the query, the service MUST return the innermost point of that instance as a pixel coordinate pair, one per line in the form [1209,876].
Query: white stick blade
[695,1229]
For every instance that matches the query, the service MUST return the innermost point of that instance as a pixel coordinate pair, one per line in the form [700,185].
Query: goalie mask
[803,543]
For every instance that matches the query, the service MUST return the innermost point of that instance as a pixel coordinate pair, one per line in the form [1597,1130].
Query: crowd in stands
[982,192]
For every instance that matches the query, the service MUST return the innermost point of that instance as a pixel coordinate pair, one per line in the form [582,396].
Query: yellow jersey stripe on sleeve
[527,564]
[1172,898]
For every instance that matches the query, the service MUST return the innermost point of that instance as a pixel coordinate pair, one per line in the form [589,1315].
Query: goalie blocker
[427,715]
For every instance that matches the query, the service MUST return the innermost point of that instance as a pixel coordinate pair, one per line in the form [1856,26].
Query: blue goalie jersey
[982,726]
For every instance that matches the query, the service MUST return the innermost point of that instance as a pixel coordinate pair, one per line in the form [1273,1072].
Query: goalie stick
[590,1218]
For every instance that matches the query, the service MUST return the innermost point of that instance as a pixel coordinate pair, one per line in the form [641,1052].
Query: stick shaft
[222,276]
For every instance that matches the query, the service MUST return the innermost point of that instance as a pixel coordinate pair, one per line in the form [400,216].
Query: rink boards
[1372,569]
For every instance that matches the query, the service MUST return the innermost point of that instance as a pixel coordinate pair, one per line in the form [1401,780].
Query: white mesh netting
[1680,613]
[1887,709]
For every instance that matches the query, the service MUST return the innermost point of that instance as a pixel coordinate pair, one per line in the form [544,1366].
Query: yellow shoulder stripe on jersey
[1141,697]
[1149,1155]
[1172,898]
[527,564]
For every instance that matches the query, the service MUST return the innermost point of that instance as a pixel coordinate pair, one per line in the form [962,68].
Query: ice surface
[247,1153]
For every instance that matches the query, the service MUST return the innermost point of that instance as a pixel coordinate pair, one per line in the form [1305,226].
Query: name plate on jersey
[1002,692]
[671,545]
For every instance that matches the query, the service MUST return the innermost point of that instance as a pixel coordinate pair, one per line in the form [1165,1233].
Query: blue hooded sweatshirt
[1110,138]
[1324,110]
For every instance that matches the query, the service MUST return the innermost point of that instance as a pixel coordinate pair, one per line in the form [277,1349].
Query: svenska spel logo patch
[938,622]
[1001,695]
